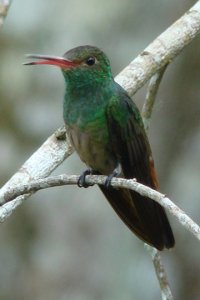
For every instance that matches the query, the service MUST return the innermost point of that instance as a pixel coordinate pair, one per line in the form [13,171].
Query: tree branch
[47,158]
[161,51]
[151,97]
[4,6]
[60,180]
[154,57]
[146,116]
[160,273]
[52,153]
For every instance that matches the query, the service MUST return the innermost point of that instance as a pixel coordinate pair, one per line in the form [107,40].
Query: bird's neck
[83,101]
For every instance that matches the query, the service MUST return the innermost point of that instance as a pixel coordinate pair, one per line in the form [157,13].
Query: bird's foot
[81,181]
[115,173]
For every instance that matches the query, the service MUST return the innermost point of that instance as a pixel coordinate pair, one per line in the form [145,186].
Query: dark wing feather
[145,217]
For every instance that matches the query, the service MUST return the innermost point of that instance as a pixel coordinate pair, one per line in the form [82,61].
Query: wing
[130,145]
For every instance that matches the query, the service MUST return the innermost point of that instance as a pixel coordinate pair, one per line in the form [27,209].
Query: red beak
[51,60]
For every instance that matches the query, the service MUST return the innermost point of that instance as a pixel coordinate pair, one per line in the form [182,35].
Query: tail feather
[146,218]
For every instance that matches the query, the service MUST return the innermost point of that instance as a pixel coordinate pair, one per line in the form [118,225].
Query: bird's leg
[81,181]
[116,172]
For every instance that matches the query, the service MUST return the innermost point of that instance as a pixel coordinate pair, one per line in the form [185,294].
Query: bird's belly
[93,150]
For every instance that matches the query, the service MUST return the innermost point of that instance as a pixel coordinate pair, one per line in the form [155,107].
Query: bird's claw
[109,179]
[82,182]
[115,173]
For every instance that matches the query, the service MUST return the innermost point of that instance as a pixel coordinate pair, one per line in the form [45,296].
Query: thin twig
[153,58]
[4,6]
[160,273]
[43,183]
[151,97]
[146,116]
[172,41]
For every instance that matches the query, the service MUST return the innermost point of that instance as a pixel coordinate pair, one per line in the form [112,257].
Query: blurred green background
[67,243]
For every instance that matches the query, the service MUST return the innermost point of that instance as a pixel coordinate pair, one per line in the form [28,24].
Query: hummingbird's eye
[90,61]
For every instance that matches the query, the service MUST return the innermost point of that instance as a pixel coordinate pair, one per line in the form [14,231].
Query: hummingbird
[106,129]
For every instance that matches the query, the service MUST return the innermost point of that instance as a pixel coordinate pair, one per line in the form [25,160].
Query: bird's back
[146,218]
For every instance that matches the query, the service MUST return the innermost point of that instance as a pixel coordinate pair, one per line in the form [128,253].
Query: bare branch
[35,185]
[160,273]
[161,51]
[155,56]
[4,6]
[48,157]
[146,116]
[52,153]
[151,97]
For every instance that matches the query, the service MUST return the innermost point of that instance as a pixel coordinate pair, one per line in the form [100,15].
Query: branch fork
[33,174]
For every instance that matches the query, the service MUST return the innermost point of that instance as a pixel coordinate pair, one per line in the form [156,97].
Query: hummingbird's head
[82,65]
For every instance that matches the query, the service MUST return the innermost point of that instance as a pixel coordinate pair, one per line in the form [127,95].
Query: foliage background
[67,243]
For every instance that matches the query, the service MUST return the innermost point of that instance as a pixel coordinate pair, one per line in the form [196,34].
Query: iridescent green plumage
[107,131]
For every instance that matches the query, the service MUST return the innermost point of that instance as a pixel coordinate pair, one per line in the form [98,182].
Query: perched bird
[107,131]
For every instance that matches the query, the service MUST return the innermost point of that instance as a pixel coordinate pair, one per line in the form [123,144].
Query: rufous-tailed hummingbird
[106,130]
